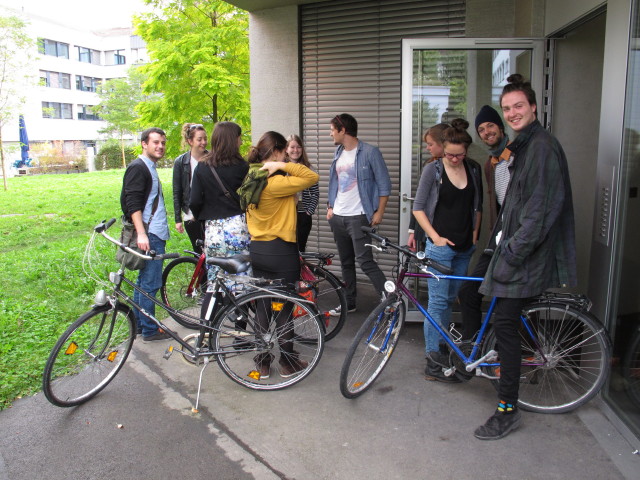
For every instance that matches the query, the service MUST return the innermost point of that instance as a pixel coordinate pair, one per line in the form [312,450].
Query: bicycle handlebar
[103,226]
[384,242]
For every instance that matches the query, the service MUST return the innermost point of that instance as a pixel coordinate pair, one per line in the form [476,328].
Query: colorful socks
[504,407]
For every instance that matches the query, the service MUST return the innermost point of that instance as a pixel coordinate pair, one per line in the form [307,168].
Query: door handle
[407,198]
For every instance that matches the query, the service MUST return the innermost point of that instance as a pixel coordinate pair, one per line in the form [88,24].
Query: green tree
[118,100]
[15,55]
[199,51]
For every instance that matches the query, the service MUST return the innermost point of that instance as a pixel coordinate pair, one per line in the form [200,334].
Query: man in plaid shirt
[533,239]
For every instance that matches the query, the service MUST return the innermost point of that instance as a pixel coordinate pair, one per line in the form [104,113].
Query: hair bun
[516,79]
[459,124]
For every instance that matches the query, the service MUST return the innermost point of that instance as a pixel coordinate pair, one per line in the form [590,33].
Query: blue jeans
[150,281]
[442,293]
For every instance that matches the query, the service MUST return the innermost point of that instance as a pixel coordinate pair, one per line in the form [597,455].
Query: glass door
[443,79]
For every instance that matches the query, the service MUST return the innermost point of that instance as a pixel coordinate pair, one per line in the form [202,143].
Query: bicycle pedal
[168,352]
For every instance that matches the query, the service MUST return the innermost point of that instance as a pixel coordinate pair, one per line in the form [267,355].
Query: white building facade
[68,65]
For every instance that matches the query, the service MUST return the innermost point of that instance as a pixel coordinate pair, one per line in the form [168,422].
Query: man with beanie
[496,170]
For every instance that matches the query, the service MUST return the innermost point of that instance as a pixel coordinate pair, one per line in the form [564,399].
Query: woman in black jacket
[226,232]
[194,135]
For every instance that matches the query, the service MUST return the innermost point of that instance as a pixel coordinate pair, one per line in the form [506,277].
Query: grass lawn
[45,223]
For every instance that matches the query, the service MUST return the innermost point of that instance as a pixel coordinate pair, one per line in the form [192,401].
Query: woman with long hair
[309,197]
[214,200]
[195,136]
[448,207]
[274,251]
[433,144]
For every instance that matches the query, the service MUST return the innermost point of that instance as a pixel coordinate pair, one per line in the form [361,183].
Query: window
[56,110]
[55,79]
[87,84]
[88,55]
[114,57]
[53,48]
[85,112]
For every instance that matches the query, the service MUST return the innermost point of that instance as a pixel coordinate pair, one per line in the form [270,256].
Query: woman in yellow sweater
[274,251]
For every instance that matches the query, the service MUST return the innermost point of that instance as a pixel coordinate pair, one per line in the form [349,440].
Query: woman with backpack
[272,225]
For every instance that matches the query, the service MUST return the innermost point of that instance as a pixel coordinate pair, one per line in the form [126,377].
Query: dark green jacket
[537,248]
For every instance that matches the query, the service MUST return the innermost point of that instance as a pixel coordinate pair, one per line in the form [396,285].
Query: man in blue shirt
[359,188]
[142,203]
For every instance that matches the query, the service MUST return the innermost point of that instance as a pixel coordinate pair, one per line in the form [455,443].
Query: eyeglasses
[195,125]
[451,156]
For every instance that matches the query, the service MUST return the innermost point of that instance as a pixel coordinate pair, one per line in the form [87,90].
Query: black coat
[181,185]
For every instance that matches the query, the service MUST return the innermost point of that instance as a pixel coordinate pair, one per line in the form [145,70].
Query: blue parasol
[24,142]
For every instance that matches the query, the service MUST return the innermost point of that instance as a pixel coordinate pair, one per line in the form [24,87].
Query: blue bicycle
[566,351]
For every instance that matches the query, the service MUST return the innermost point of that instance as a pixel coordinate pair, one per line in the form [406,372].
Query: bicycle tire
[571,364]
[88,355]
[241,346]
[329,294]
[176,278]
[367,356]
[631,369]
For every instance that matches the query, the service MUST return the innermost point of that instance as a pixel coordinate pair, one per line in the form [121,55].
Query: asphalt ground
[141,426]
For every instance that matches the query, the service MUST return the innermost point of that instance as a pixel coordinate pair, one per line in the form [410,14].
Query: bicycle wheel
[268,340]
[329,294]
[88,355]
[372,347]
[183,290]
[565,359]
[631,369]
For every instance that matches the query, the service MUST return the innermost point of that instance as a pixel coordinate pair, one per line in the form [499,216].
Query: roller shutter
[351,62]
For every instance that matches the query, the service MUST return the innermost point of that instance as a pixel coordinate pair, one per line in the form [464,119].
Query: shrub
[59,156]
[110,155]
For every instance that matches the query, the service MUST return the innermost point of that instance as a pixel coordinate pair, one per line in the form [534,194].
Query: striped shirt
[309,199]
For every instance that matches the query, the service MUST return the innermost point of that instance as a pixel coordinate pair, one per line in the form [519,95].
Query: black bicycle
[266,338]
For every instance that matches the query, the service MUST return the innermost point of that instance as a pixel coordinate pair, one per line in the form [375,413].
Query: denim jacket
[372,177]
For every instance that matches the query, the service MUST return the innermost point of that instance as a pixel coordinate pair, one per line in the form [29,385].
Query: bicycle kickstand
[206,362]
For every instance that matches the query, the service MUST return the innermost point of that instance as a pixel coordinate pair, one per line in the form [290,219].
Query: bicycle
[566,352]
[184,283]
[251,330]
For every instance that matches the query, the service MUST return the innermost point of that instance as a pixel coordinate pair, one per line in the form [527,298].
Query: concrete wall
[560,13]
[505,18]
[275,87]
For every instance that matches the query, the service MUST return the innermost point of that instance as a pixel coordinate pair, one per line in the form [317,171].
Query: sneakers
[263,364]
[438,358]
[433,373]
[336,312]
[499,425]
[159,335]
[290,364]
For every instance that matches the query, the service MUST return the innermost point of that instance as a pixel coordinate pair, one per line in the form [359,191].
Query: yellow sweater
[276,215]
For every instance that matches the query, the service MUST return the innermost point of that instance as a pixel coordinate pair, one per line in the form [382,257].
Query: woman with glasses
[308,198]
[448,207]
[194,135]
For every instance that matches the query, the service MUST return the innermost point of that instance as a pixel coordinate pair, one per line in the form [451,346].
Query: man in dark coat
[533,239]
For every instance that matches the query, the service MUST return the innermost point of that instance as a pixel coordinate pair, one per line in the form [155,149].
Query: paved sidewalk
[404,428]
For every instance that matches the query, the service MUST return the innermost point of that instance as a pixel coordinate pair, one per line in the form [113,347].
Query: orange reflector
[112,356]
[277,306]
[71,349]
[254,374]
[358,384]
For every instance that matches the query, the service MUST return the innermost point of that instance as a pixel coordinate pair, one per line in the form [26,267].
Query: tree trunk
[4,167]
[124,160]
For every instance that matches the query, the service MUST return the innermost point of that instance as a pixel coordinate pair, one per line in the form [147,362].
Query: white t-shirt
[348,201]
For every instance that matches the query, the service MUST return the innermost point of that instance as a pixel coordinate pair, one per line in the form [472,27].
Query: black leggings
[276,259]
